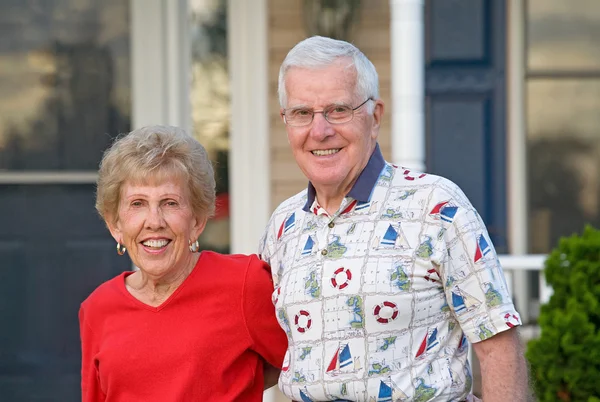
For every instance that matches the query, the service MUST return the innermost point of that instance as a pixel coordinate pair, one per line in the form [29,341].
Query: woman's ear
[115,229]
[198,228]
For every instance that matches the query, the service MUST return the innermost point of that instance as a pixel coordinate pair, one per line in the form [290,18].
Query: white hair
[320,52]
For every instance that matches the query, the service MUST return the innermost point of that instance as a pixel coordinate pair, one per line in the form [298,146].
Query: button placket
[324,234]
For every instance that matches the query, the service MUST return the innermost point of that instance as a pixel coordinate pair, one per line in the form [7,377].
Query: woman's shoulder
[239,266]
[106,290]
[232,260]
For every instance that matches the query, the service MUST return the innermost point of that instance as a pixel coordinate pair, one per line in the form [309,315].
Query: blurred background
[501,96]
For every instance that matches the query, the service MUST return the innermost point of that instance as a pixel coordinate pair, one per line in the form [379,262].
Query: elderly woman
[185,326]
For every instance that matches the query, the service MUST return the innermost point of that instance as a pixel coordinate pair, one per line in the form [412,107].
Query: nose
[321,128]
[154,219]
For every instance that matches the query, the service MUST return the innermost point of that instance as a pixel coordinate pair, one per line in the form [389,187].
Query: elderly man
[382,275]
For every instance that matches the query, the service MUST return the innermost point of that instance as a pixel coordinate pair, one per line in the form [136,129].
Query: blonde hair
[155,153]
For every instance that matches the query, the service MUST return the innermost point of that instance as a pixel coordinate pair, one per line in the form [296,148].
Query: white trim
[408,82]
[178,64]
[526,262]
[249,176]
[160,63]
[48,177]
[517,148]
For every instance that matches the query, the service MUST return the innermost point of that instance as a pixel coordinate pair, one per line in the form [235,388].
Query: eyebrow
[162,196]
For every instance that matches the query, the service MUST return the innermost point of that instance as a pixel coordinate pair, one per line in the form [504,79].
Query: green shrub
[565,360]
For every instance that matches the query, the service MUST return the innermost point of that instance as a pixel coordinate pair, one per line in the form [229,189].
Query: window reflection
[210,106]
[563,138]
[563,158]
[563,35]
[64,75]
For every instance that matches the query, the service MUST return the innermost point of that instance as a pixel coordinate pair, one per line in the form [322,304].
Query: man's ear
[378,111]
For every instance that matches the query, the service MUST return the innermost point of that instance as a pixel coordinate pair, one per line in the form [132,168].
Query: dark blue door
[465,103]
[54,250]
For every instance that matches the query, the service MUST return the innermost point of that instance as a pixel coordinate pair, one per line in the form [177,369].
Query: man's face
[331,156]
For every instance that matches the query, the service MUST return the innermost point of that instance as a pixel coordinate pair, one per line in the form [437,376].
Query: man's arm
[503,368]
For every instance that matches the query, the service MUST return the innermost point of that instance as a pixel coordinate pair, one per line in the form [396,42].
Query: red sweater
[204,343]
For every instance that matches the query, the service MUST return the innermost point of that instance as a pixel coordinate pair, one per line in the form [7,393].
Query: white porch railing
[524,302]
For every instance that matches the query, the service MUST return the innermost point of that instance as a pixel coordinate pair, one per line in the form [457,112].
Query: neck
[330,197]
[154,290]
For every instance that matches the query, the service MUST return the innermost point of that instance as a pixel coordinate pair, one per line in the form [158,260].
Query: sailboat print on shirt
[393,238]
[388,392]
[308,247]
[457,381]
[342,362]
[429,342]
[287,224]
[482,248]
[462,301]
[444,211]
[304,397]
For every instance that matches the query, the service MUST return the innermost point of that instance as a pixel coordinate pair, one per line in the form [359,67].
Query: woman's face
[155,223]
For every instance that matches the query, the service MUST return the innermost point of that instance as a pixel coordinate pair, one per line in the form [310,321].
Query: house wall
[371,33]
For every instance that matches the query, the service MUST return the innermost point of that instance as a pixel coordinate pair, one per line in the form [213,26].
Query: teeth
[323,152]
[155,243]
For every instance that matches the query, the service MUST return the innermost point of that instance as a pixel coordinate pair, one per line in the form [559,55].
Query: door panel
[56,251]
[465,96]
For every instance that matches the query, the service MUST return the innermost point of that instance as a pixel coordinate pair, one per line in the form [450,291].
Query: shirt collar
[363,187]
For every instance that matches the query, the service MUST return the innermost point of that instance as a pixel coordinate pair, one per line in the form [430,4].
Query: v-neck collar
[123,288]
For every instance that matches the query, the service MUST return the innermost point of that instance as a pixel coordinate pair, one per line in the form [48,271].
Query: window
[65,86]
[209,94]
[563,118]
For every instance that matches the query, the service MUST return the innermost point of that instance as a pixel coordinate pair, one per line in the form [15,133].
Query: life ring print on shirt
[341,278]
[303,321]
[512,320]
[385,312]
[408,175]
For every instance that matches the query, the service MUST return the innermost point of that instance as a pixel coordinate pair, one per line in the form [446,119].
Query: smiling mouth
[325,152]
[156,244]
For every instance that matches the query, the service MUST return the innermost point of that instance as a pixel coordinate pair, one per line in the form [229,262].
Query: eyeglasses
[334,114]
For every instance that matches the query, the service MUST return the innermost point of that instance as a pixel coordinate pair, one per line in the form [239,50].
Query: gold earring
[120,249]
[194,246]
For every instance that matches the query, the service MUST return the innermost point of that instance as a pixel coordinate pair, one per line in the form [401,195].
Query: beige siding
[286,27]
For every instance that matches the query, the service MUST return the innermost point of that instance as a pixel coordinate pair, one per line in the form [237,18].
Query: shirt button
[324,251]
[331,224]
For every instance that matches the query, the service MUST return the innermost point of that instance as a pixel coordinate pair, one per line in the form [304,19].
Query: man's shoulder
[440,187]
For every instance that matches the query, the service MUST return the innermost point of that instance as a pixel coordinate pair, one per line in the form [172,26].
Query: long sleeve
[90,386]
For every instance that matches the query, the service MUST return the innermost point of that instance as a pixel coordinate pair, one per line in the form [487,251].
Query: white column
[249,155]
[408,84]
[160,63]
[516,151]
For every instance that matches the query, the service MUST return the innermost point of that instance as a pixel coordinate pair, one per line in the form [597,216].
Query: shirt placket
[324,233]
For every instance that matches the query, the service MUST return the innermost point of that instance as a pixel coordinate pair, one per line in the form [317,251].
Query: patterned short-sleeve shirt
[380,300]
